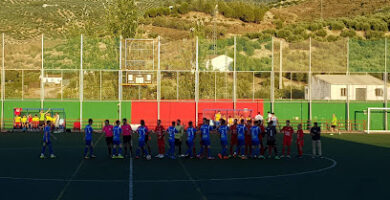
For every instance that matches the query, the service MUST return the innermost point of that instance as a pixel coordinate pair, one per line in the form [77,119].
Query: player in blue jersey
[117,150]
[142,137]
[255,133]
[47,141]
[171,139]
[241,130]
[205,138]
[191,131]
[223,133]
[88,140]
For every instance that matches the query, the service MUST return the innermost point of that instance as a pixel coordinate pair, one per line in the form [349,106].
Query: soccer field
[355,166]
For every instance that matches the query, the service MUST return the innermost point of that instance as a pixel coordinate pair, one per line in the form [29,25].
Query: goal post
[370,126]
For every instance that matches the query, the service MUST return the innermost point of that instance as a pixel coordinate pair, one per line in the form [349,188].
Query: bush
[314,26]
[332,38]
[283,33]
[321,33]
[362,26]
[336,25]
[374,35]
[153,35]
[348,33]
[378,25]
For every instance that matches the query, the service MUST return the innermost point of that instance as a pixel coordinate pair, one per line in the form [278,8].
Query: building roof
[350,79]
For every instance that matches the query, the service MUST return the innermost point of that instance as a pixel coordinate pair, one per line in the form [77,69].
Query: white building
[336,87]
[220,63]
[52,79]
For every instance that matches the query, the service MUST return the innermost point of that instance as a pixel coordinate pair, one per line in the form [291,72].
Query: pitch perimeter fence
[303,81]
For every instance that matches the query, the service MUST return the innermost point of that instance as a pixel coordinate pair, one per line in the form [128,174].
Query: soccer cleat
[300,157]
[234,154]
[277,157]
[114,157]
[210,158]
[136,157]
[182,156]
[158,156]
[220,156]
[86,157]
[288,156]
[226,157]
[52,156]
[261,157]
[244,157]
[42,156]
[269,156]
[120,156]
[321,157]
[93,156]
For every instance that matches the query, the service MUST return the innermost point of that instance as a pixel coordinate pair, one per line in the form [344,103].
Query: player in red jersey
[233,138]
[261,136]
[300,136]
[127,131]
[248,138]
[159,131]
[288,131]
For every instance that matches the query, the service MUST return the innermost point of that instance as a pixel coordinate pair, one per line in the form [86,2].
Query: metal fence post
[272,94]
[309,82]
[158,77]
[120,76]
[348,89]
[42,77]
[235,74]
[385,87]
[197,82]
[2,81]
[81,84]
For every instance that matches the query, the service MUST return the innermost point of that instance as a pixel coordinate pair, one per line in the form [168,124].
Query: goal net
[377,120]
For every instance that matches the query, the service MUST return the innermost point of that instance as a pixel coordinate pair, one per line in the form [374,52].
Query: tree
[122,19]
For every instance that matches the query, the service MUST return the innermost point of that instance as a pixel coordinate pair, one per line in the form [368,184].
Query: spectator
[334,123]
[259,117]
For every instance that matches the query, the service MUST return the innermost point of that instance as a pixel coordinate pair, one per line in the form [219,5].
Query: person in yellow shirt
[35,121]
[42,116]
[231,120]
[17,121]
[24,121]
[334,123]
[217,118]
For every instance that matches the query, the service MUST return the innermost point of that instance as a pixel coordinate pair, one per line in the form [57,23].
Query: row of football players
[246,139]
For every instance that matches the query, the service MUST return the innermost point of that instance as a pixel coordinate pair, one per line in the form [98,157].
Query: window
[343,92]
[379,92]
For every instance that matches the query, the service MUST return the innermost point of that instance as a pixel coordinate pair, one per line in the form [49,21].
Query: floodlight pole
[42,76]
[272,95]
[2,82]
[81,87]
[158,77]
[120,80]
[197,82]
[235,74]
